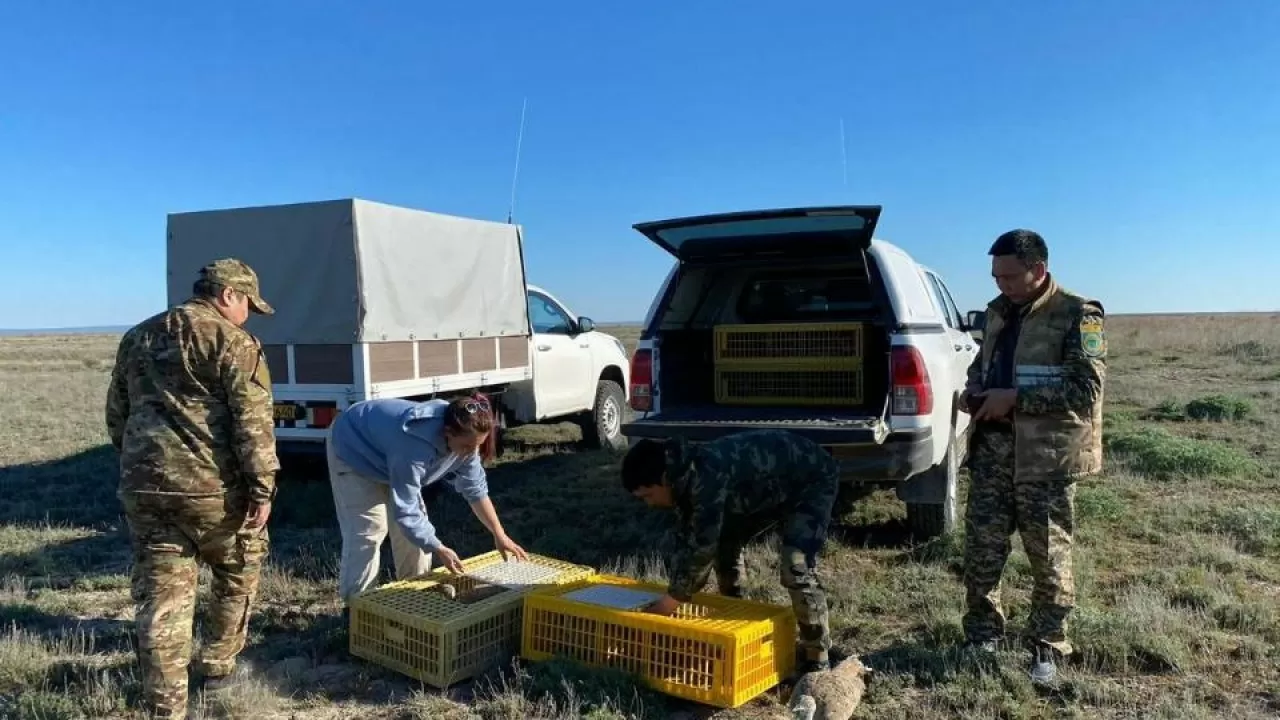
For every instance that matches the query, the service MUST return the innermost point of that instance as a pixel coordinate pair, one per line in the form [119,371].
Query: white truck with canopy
[375,300]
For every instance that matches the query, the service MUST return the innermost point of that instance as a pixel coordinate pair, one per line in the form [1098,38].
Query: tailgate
[712,423]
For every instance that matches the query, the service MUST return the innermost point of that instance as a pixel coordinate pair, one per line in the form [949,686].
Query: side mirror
[975,320]
[585,325]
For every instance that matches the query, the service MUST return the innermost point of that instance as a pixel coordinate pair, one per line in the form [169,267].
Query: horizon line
[109,329]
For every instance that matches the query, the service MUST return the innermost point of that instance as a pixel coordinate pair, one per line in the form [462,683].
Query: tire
[930,520]
[602,426]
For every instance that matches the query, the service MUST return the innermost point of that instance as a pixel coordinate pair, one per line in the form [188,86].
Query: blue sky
[1139,137]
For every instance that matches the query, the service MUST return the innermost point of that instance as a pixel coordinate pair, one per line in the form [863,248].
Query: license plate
[286,411]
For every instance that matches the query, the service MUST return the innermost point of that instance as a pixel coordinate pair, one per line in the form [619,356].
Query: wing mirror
[975,321]
[586,325]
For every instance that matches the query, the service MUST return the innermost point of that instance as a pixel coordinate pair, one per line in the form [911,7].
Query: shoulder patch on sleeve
[1093,337]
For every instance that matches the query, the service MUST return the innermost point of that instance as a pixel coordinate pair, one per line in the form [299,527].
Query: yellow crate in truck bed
[716,650]
[412,626]
[789,364]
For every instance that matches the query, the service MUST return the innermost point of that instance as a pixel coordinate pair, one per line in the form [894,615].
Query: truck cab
[579,373]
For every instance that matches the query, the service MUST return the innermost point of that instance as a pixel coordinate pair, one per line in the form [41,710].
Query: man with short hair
[731,490]
[1035,394]
[189,410]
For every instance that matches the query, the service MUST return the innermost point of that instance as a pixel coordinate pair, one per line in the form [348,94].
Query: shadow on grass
[927,665]
[103,635]
[561,688]
[569,506]
[99,561]
[886,534]
[79,490]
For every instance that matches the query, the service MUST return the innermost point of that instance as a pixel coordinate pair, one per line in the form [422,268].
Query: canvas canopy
[346,271]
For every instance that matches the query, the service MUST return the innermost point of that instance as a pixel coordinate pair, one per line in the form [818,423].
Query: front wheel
[602,427]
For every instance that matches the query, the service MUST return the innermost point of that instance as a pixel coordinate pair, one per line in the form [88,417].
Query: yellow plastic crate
[716,650]
[789,364]
[411,626]
[789,344]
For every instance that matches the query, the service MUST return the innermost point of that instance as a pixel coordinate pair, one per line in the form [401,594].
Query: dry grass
[1178,563]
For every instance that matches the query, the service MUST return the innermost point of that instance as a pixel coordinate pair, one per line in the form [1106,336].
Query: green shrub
[1214,408]
[1099,503]
[1159,453]
[1219,408]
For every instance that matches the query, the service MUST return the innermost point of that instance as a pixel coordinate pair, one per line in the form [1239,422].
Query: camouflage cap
[237,275]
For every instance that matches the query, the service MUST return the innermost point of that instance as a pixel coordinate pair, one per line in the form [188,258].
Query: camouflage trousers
[1042,510]
[170,535]
[803,533]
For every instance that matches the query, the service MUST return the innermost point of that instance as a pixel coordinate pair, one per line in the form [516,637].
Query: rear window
[808,298]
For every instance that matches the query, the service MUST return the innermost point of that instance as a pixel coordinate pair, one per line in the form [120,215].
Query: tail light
[323,417]
[642,381]
[912,391]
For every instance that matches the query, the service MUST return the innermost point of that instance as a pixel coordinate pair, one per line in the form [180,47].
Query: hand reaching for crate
[508,547]
[449,559]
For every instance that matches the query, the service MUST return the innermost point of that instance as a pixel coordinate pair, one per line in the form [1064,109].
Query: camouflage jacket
[189,407]
[739,483]
[1059,373]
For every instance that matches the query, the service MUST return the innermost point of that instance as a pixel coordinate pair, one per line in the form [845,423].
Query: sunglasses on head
[474,406]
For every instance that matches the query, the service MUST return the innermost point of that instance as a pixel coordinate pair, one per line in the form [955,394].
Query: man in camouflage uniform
[1035,393]
[728,492]
[189,410]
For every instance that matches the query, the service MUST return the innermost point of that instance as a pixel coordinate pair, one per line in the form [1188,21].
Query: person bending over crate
[728,492]
[381,454]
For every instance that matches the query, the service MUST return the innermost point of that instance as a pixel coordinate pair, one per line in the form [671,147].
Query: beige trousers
[365,518]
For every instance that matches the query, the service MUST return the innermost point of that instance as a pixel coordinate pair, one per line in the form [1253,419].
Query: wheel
[929,520]
[602,427]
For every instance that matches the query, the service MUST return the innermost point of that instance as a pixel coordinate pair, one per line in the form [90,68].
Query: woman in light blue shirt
[382,453]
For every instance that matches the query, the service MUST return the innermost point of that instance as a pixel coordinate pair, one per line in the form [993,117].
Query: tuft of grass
[1220,408]
[561,689]
[1210,408]
[1250,351]
[1168,410]
[1100,503]
[1158,453]
[1143,632]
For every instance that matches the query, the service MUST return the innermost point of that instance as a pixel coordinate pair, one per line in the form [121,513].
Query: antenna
[844,157]
[516,172]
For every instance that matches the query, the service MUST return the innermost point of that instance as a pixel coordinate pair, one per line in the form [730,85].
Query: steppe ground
[1178,562]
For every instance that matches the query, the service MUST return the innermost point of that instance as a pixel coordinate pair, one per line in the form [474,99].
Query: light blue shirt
[401,443]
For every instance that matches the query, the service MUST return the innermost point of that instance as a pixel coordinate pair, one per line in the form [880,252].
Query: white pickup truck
[374,300]
[799,319]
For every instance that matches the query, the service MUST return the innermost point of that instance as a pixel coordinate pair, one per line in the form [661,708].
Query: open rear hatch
[757,366]
[791,232]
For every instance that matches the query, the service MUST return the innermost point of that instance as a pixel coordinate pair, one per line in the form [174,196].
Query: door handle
[543,348]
